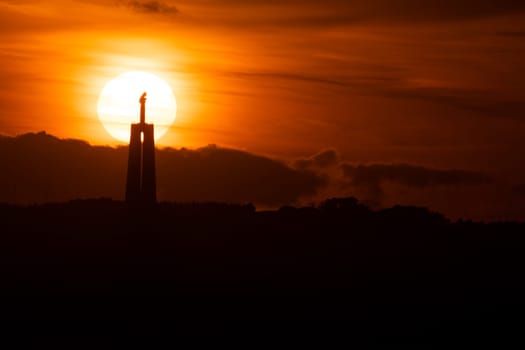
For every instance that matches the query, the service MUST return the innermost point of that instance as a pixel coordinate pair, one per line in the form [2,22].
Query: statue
[143,108]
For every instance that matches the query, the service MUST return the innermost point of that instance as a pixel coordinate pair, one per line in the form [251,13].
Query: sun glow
[118,104]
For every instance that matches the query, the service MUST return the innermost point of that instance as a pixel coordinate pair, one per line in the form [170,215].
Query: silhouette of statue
[141,187]
[143,108]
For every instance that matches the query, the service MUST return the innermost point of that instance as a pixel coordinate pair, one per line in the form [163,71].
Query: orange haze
[433,83]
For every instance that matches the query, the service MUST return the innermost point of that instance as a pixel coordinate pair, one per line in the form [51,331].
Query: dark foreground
[402,275]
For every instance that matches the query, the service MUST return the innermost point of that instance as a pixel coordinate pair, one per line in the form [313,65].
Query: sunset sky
[435,84]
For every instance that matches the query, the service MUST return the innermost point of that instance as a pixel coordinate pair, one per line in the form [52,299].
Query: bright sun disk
[118,104]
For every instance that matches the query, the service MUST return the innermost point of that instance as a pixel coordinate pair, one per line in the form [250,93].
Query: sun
[118,104]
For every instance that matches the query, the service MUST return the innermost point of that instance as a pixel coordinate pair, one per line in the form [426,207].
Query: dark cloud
[441,9]
[388,82]
[412,176]
[482,103]
[323,159]
[42,168]
[213,173]
[293,77]
[519,190]
[154,7]
[339,12]
[512,34]
[370,179]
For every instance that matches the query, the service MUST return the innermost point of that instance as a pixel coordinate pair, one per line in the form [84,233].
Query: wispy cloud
[152,7]
[339,12]
[371,179]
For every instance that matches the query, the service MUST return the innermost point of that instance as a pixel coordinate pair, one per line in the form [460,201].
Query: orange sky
[435,83]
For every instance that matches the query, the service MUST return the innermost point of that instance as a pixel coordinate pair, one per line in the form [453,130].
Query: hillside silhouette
[398,275]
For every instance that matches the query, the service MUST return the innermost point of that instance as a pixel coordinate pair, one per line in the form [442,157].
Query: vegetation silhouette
[402,274]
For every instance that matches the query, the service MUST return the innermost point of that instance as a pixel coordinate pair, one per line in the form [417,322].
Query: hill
[403,274]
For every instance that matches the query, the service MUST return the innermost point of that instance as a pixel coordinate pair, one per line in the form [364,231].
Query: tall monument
[141,185]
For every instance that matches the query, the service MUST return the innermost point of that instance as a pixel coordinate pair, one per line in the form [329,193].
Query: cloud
[390,82]
[370,180]
[343,12]
[512,34]
[294,77]
[411,175]
[213,173]
[152,7]
[519,190]
[323,159]
[442,10]
[481,102]
[41,168]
